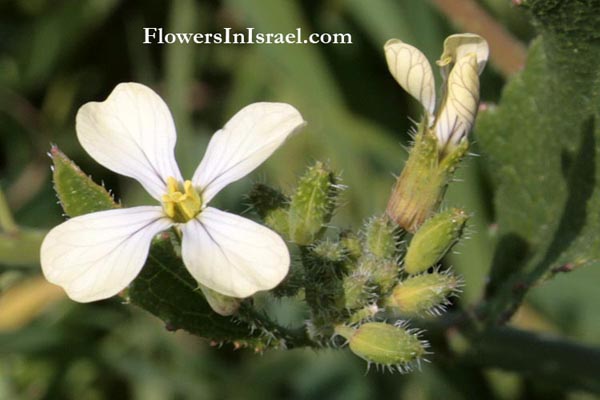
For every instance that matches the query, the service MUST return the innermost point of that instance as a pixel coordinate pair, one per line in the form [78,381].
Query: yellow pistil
[181,207]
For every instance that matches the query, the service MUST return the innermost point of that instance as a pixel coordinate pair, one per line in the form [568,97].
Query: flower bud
[384,272]
[423,293]
[380,237]
[357,290]
[431,242]
[352,244]
[272,206]
[383,344]
[312,204]
[330,250]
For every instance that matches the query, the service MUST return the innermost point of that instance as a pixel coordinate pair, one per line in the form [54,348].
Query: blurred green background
[56,55]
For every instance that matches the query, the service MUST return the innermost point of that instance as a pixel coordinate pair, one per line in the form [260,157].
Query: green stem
[550,358]
[7,222]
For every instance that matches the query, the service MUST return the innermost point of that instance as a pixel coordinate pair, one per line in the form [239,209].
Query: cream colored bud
[413,72]
[458,46]
[459,109]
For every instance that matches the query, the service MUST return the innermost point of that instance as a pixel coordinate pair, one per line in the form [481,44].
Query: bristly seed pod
[427,293]
[387,346]
[433,240]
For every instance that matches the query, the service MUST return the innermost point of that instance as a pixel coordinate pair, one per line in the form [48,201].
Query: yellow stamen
[181,207]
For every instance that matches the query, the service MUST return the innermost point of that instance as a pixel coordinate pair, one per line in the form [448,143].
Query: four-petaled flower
[95,256]
[463,59]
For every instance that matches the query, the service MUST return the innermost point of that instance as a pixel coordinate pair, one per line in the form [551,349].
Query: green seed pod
[386,345]
[423,293]
[312,204]
[380,237]
[431,242]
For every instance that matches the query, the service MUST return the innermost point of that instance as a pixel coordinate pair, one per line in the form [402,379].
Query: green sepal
[419,190]
[77,192]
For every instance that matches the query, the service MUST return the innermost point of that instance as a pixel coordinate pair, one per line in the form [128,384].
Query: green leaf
[167,290]
[21,248]
[542,142]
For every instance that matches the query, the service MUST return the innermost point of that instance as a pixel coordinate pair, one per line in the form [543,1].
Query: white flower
[95,256]
[464,57]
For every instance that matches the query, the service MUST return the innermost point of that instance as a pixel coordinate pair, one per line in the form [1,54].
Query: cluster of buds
[440,144]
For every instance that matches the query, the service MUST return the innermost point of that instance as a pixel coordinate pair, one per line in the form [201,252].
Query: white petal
[460,105]
[95,256]
[131,133]
[460,45]
[233,255]
[412,71]
[245,142]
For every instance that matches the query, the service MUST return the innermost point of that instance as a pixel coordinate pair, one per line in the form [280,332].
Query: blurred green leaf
[21,248]
[543,142]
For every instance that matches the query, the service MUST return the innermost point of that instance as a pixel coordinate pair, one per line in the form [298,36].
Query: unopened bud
[312,204]
[352,244]
[330,251]
[384,272]
[423,293]
[433,240]
[380,237]
[271,205]
[386,345]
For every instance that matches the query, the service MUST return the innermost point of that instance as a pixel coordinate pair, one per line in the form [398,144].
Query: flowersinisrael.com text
[247,36]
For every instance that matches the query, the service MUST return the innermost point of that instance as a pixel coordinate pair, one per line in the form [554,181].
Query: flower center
[181,207]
